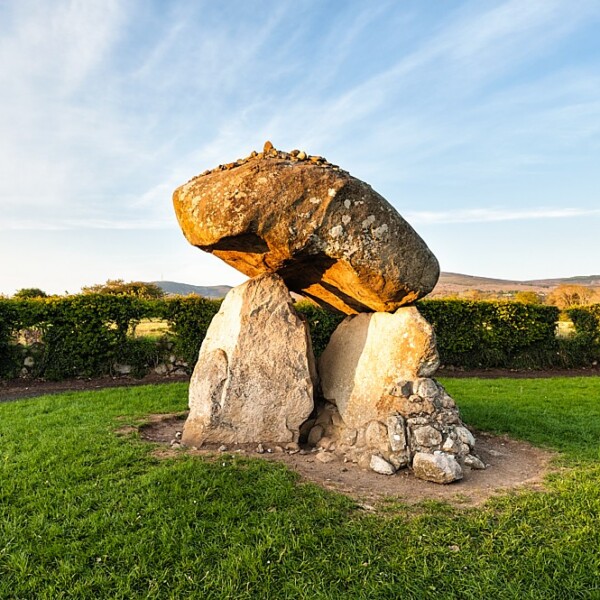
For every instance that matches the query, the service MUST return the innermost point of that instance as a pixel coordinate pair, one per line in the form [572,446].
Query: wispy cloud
[487,215]
[107,106]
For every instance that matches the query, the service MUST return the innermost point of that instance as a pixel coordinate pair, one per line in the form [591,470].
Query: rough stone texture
[427,436]
[474,462]
[381,466]
[315,435]
[330,236]
[437,467]
[377,371]
[255,374]
[397,433]
[371,357]
[376,435]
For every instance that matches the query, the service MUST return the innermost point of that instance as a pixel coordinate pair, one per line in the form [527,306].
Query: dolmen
[296,223]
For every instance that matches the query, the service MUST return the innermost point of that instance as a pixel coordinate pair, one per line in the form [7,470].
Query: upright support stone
[255,374]
[369,356]
[377,371]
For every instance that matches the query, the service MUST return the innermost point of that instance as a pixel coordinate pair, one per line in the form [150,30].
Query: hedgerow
[321,323]
[585,345]
[9,324]
[83,335]
[189,318]
[586,320]
[493,334]
[91,334]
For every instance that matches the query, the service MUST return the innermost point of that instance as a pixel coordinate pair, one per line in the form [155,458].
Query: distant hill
[455,283]
[449,283]
[172,288]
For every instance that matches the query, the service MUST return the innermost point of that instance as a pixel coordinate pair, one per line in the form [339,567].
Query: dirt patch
[513,465]
[15,389]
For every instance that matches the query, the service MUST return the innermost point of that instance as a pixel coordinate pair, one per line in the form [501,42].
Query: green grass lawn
[87,513]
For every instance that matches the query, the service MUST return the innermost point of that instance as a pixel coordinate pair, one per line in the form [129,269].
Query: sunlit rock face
[255,375]
[367,359]
[330,236]
[382,405]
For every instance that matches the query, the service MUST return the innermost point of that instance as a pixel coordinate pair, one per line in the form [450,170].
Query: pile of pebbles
[270,152]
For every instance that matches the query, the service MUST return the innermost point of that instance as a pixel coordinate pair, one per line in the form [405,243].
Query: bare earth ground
[16,389]
[513,465]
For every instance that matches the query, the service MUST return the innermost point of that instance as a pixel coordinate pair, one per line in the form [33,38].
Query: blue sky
[479,121]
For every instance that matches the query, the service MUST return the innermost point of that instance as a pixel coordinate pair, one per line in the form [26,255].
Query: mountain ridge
[449,283]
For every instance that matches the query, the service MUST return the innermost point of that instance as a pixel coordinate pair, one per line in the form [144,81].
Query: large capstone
[330,236]
[255,374]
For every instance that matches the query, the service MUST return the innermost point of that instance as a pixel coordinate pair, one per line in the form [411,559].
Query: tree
[528,298]
[567,296]
[26,293]
[117,287]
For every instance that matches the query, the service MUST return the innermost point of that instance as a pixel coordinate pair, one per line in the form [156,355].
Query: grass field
[88,513]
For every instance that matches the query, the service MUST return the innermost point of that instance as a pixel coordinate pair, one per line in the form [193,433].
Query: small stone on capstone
[267,147]
[301,155]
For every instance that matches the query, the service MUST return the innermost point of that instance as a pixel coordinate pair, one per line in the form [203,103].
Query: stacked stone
[294,222]
[435,448]
[270,152]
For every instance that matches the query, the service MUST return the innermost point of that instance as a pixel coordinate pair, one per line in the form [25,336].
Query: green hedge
[87,335]
[586,320]
[189,318]
[9,325]
[321,323]
[83,335]
[493,334]
[586,342]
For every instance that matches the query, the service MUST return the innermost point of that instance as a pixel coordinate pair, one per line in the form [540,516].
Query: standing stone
[255,374]
[366,358]
[377,370]
[330,236]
